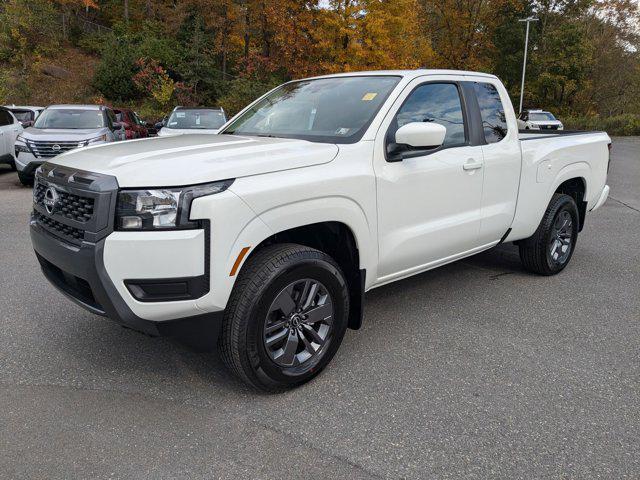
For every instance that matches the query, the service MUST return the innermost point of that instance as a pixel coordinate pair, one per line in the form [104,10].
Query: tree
[463,31]
[27,28]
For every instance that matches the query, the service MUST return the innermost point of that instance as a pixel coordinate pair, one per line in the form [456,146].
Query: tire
[268,294]
[12,164]
[544,252]
[26,180]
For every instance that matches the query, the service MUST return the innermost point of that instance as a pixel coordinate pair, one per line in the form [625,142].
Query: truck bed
[548,159]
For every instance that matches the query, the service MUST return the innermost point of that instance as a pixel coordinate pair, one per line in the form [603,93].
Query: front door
[429,202]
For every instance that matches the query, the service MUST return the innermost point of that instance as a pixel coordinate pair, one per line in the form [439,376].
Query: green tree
[114,75]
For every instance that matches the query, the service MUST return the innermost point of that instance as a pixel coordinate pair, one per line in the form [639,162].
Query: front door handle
[472,164]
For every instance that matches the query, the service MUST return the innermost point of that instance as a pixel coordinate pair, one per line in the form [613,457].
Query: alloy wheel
[299,323]
[560,243]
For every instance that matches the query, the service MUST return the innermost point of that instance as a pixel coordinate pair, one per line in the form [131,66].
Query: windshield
[196,119]
[70,119]
[23,115]
[541,116]
[335,110]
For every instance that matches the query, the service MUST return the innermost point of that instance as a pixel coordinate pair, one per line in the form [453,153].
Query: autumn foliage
[584,56]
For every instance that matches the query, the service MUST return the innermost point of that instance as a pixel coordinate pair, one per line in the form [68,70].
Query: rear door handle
[472,164]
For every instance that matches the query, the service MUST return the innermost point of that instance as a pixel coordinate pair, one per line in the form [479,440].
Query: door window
[494,120]
[112,117]
[5,118]
[431,102]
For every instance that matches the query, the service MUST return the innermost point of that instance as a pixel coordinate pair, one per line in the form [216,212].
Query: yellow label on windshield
[369,96]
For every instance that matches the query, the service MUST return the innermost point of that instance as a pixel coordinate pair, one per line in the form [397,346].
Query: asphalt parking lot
[474,370]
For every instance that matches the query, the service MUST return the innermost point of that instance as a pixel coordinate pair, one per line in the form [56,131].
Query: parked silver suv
[60,128]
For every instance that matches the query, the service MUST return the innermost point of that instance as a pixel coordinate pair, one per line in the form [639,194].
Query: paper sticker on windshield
[369,96]
[342,131]
[180,114]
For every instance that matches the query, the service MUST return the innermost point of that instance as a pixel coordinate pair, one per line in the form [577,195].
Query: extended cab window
[494,120]
[431,102]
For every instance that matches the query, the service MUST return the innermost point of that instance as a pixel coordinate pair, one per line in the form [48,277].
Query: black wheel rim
[561,240]
[299,323]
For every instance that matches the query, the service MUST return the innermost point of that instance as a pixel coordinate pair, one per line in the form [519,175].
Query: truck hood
[190,159]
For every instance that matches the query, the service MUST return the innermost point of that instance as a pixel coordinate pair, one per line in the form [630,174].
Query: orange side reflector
[238,261]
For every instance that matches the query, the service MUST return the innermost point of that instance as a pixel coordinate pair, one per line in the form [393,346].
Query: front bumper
[26,163]
[80,274]
[121,275]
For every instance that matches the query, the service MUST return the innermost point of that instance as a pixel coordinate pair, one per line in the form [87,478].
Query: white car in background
[538,120]
[10,128]
[193,120]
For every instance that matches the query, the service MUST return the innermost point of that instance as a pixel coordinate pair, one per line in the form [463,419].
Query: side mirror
[421,134]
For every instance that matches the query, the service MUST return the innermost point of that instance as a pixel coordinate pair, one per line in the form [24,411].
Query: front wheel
[286,317]
[26,180]
[550,248]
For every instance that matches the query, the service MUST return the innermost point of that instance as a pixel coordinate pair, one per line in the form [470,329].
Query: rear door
[502,159]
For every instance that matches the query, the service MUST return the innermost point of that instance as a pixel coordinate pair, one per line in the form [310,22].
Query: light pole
[528,20]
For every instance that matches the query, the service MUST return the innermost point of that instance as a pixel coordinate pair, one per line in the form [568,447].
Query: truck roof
[411,73]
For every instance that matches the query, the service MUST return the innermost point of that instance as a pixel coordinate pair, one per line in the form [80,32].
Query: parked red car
[133,126]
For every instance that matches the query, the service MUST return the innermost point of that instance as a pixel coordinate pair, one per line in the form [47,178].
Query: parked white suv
[265,237]
[185,120]
[538,120]
[10,128]
[61,128]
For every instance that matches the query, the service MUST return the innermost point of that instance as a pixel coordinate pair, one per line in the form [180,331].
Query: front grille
[74,205]
[549,127]
[66,232]
[49,149]
[69,205]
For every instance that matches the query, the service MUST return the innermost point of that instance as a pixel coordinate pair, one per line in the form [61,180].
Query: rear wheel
[286,317]
[549,250]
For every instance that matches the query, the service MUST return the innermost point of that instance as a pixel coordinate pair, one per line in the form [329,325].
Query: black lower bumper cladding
[79,273]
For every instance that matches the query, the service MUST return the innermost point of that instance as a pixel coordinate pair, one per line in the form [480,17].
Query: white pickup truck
[263,239]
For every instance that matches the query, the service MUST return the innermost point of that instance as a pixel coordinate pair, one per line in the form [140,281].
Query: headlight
[161,208]
[21,144]
[101,138]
